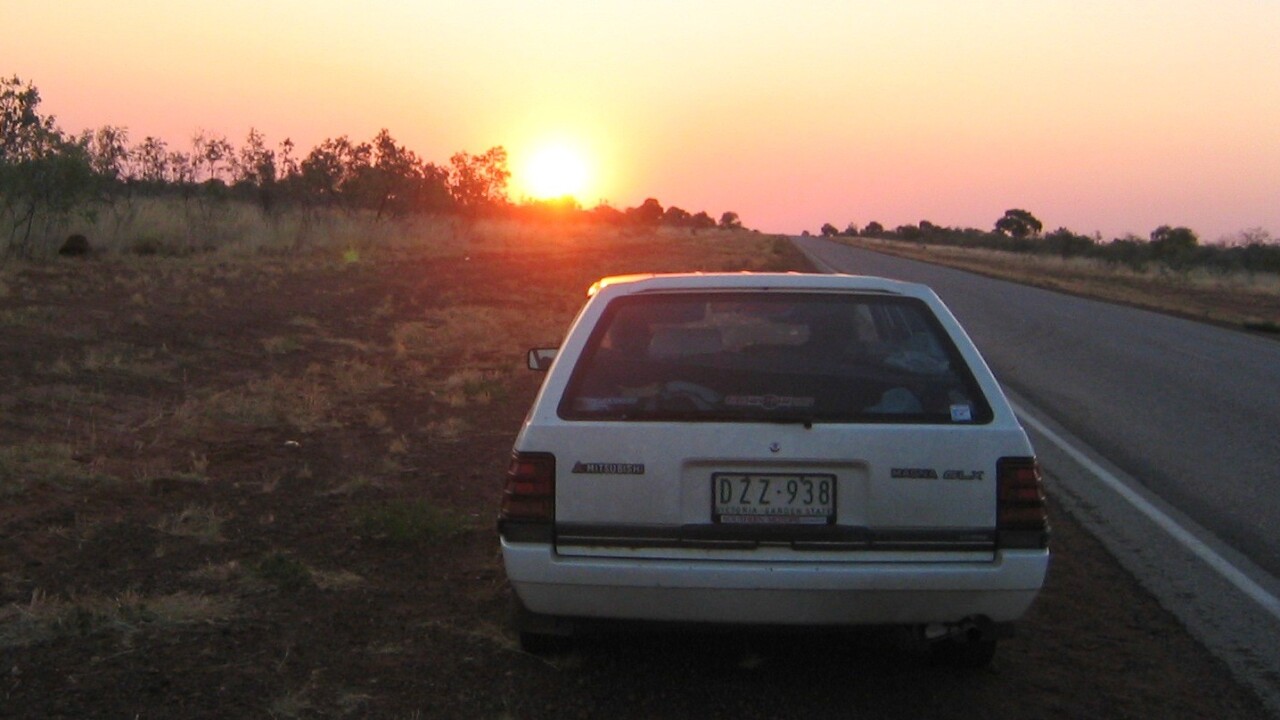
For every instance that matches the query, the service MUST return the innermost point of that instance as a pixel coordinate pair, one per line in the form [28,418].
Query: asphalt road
[1187,414]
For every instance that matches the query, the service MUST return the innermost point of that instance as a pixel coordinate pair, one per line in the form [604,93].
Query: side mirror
[540,359]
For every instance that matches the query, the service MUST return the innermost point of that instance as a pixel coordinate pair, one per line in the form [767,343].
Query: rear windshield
[772,357]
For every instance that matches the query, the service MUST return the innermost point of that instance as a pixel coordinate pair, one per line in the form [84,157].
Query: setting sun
[555,171]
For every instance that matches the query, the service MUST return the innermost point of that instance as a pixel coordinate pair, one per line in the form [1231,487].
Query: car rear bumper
[807,593]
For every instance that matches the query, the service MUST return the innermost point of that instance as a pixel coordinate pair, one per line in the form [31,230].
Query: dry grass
[283,571]
[1239,299]
[45,616]
[500,236]
[416,521]
[447,430]
[170,227]
[350,486]
[29,316]
[25,465]
[457,353]
[62,395]
[464,333]
[123,360]
[705,250]
[302,403]
[282,345]
[272,569]
[198,522]
[471,385]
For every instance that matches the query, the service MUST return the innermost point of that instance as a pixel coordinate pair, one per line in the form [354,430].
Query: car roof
[655,282]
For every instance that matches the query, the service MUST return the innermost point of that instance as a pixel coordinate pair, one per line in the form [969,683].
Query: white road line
[1220,564]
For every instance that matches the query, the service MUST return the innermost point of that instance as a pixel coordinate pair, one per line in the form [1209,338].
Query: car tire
[963,653]
[543,645]
[539,634]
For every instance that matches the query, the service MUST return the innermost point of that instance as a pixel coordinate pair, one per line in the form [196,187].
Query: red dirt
[335,610]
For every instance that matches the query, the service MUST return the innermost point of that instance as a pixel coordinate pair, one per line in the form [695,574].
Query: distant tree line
[651,213]
[48,177]
[1175,248]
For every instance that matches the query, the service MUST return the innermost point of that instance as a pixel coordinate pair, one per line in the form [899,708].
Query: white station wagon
[772,449]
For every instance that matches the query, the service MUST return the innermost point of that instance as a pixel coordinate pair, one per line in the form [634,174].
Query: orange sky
[1098,116]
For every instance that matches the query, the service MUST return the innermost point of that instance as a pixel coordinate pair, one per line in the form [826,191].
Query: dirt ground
[267,488]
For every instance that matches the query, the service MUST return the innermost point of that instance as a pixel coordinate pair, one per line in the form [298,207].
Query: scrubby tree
[108,149]
[288,168]
[730,221]
[44,176]
[39,196]
[111,161]
[1129,250]
[676,217]
[253,170]
[829,230]
[149,161]
[1018,224]
[907,232]
[431,190]
[25,134]
[211,156]
[479,182]
[254,163]
[1248,237]
[327,171]
[401,182]
[385,184]
[649,212]
[320,172]
[1166,240]
[1252,249]
[182,171]
[1174,246]
[1066,243]
[873,230]
[702,221]
[607,214]
[850,230]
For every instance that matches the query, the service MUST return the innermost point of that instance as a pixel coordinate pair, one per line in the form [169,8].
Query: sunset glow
[554,171]
[1100,117]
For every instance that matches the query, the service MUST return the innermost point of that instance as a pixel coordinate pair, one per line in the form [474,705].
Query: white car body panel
[774,593]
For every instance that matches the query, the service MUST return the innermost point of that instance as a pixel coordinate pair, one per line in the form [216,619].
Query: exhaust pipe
[974,629]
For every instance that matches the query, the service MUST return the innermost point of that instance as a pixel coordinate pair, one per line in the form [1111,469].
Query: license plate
[806,499]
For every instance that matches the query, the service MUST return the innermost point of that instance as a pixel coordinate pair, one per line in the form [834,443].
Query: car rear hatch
[779,425]
[776,492]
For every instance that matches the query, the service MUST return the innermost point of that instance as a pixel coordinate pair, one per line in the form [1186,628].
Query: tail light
[529,498]
[1022,519]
